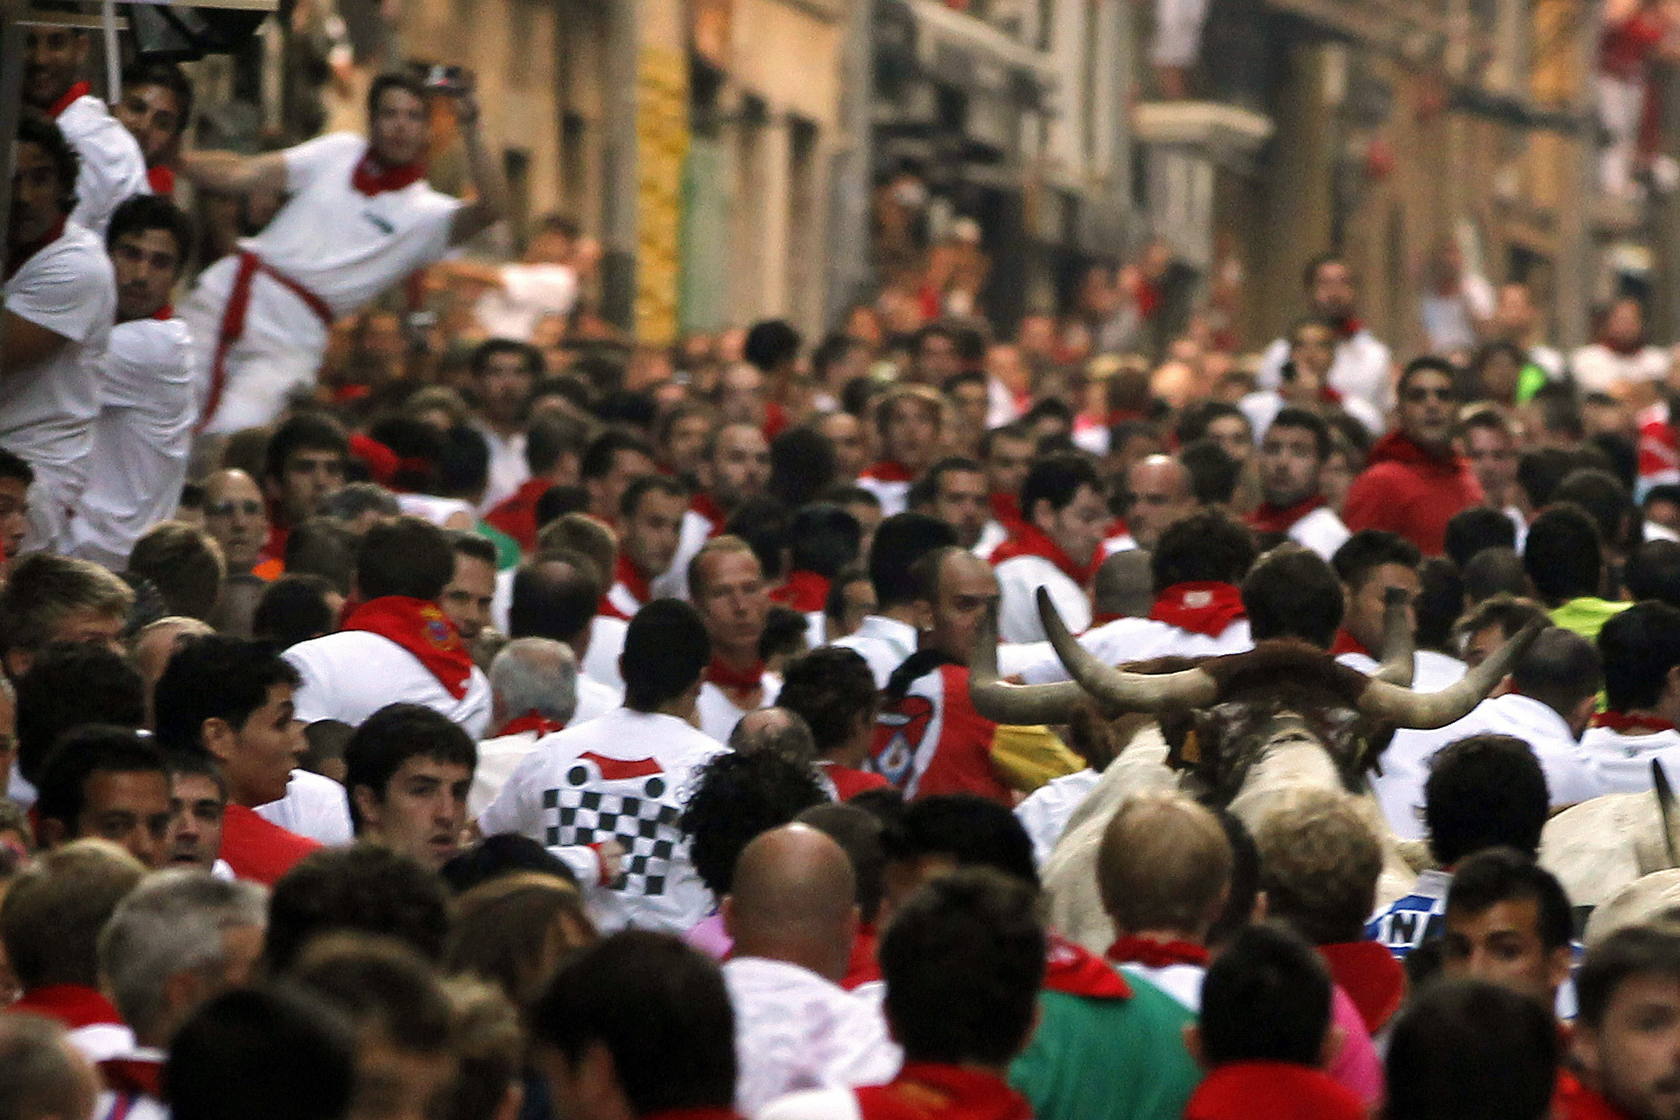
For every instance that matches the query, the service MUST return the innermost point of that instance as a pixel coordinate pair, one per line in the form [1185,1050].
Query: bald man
[781,731]
[792,915]
[236,514]
[1160,491]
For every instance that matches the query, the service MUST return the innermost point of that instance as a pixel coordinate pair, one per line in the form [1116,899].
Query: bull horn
[1014,704]
[1398,642]
[1425,711]
[1120,691]
[1665,810]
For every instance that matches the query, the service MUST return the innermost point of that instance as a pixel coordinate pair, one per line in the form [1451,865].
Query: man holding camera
[360,216]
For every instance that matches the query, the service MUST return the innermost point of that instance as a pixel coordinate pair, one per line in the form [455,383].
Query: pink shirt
[1355,1066]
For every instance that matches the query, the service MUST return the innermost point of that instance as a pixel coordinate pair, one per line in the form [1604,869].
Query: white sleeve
[550,287]
[69,293]
[112,172]
[509,811]
[1017,611]
[312,699]
[308,160]
[1270,374]
[141,357]
[813,1104]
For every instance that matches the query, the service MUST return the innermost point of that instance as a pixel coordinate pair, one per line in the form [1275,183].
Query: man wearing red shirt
[1626,1042]
[1414,481]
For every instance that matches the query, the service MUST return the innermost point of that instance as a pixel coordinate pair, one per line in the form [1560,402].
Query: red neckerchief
[76,90]
[20,255]
[1348,326]
[706,506]
[1371,976]
[1574,1101]
[1264,1090]
[804,591]
[164,313]
[420,627]
[733,680]
[1072,970]
[1030,540]
[1623,723]
[1006,508]
[719,1113]
[1151,953]
[74,1005]
[161,178]
[889,470]
[370,178]
[1347,643]
[1147,296]
[532,721]
[133,1075]
[626,572]
[924,1090]
[1280,519]
[1625,349]
[1203,607]
[862,968]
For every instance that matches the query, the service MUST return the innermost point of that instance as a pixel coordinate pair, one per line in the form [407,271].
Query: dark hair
[1056,478]
[1469,531]
[1603,499]
[214,677]
[404,556]
[926,488]
[1427,363]
[901,540]
[1652,571]
[963,959]
[1539,472]
[1560,669]
[545,605]
[72,683]
[393,735]
[1292,593]
[1493,572]
[660,1009]
[463,463]
[261,1054]
[1265,998]
[143,213]
[550,437]
[1638,647]
[506,853]
[1620,456]
[15,467]
[602,452]
[406,81]
[1213,473]
[1439,603]
[824,539]
[735,797]
[858,831]
[484,351]
[1470,1049]
[183,563]
[1194,422]
[1206,546]
[1641,950]
[363,889]
[647,484]
[1484,791]
[183,763]
[382,985]
[152,72]
[35,127]
[80,753]
[304,431]
[1312,422]
[464,542]
[1369,549]
[325,547]
[665,651]
[1495,875]
[802,466]
[769,343]
[830,688]
[762,522]
[974,831]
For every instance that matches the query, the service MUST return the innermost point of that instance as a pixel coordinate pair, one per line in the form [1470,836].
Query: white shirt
[528,293]
[1182,982]
[47,410]
[439,511]
[349,675]
[795,1030]
[314,806]
[112,168]
[1622,763]
[562,796]
[594,700]
[718,713]
[141,439]
[894,494]
[1019,578]
[1360,369]
[991,536]
[696,529]
[498,758]
[1140,639]
[885,643]
[1431,671]
[1599,369]
[1262,407]
[1321,530]
[508,469]
[1045,812]
[606,646]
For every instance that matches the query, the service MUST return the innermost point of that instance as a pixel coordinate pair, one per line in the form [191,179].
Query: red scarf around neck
[1347,643]
[420,627]
[74,1005]
[1030,540]
[889,470]
[927,1089]
[1280,519]
[1070,969]
[804,591]
[1151,953]
[1623,723]
[1006,510]
[1348,326]
[76,91]
[733,680]
[20,254]
[532,721]
[626,572]
[134,1076]
[371,178]
[706,506]
[1200,607]
[161,178]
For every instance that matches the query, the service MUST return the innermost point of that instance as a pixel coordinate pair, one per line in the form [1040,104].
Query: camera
[445,79]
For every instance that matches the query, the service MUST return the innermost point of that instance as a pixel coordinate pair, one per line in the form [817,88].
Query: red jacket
[1271,1091]
[1408,490]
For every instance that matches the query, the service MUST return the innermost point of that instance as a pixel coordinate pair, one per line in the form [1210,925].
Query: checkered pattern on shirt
[645,826]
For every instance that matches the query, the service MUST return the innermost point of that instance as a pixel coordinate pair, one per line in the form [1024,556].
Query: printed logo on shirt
[618,799]
[909,718]
[379,223]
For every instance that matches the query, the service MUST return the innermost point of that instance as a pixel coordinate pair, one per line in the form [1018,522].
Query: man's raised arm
[230,173]
[489,186]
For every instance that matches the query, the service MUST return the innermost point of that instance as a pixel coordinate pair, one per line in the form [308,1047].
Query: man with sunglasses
[1415,481]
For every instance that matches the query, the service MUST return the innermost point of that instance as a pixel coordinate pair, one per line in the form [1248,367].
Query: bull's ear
[1192,742]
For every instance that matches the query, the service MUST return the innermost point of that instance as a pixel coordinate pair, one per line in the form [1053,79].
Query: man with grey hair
[1124,588]
[778,730]
[178,939]
[359,504]
[534,692]
[46,1077]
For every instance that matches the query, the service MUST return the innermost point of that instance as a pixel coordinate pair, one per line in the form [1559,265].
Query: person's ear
[18,662]
[368,807]
[726,911]
[921,614]
[218,737]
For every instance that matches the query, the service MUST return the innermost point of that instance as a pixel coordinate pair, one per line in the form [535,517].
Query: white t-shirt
[1183,982]
[1262,408]
[1599,369]
[795,1030]
[1045,812]
[606,646]
[528,293]
[439,511]
[314,806]
[1321,530]
[141,439]
[885,643]
[696,529]
[624,776]
[893,493]
[508,469]
[1019,578]
[1360,368]
[498,758]
[1622,763]
[594,700]
[718,713]
[349,675]
[112,170]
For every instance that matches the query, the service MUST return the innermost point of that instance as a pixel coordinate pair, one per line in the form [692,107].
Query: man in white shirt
[543,283]
[1363,366]
[908,421]
[554,596]
[792,914]
[147,405]
[1292,454]
[1641,652]
[734,467]
[1057,547]
[397,645]
[358,218]
[887,637]
[954,490]
[621,778]
[726,585]
[1622,362]
[533,691]
[504,372]
[649,529]
[60,299]
[112,168]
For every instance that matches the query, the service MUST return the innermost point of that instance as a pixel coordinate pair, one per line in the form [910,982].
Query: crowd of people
[473,714]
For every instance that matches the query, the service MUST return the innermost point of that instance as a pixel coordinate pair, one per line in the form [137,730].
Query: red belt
[233,320]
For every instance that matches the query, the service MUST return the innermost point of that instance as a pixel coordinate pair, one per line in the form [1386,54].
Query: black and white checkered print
[645,826]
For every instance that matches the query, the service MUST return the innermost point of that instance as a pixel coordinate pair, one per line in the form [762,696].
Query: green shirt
[1587,615]
[1108,1059]
[507,549]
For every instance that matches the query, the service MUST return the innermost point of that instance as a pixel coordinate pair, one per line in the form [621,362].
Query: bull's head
[1222,715]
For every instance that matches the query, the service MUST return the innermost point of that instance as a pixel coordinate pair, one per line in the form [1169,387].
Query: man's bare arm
[28,343]
[230,173]
[489,185]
